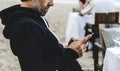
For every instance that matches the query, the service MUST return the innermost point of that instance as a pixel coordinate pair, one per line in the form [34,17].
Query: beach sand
[57,18]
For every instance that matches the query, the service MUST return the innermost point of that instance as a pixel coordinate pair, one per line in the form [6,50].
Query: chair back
[105,18]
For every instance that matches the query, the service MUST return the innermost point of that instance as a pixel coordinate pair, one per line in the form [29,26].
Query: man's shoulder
[24,17]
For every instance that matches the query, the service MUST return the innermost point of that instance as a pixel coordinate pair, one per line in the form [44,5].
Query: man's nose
[51,3]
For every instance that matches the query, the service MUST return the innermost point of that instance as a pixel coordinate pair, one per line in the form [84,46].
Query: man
[32,41]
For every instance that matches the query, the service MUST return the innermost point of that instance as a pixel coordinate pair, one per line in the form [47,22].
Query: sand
[57,18]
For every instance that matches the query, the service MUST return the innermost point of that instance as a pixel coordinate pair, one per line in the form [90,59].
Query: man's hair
[24,0]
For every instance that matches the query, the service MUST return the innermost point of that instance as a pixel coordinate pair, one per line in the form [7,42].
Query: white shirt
[49,27]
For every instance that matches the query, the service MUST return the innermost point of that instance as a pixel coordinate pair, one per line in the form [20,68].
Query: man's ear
[34,3]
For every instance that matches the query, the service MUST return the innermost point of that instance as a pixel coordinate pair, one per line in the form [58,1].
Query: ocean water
[116,2]
[66,1]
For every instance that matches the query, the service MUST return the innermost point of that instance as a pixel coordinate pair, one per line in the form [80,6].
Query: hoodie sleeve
[40,36]
[64,55]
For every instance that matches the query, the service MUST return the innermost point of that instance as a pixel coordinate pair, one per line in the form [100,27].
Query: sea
[67,1]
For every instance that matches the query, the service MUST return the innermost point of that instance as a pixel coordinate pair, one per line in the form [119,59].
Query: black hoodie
[9,15]
[32,42]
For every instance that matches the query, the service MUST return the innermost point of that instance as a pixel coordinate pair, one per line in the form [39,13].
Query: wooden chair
[102,18]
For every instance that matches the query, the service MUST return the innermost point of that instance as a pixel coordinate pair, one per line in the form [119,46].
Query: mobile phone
[92,34]
[90,37]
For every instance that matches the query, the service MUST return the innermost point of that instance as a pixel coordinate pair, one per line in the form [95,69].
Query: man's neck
[26,4]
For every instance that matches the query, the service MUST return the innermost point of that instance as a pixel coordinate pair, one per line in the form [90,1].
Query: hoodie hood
[11,14]
[6,13]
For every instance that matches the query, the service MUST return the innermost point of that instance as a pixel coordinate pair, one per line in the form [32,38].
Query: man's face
[42,6]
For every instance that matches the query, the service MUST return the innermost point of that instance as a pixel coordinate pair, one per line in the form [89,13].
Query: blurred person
[33,42]
[86,7]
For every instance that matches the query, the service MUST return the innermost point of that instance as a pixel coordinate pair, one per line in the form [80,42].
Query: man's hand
[79,45]
[72,40]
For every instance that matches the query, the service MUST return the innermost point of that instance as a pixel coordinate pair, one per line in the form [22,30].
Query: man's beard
[43,11]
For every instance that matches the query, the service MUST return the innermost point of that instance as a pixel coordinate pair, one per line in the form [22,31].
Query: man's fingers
[84,47]
[85,39]
[74,39]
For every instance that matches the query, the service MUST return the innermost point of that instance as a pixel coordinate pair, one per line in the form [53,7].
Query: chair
[75,9]
[102,18]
